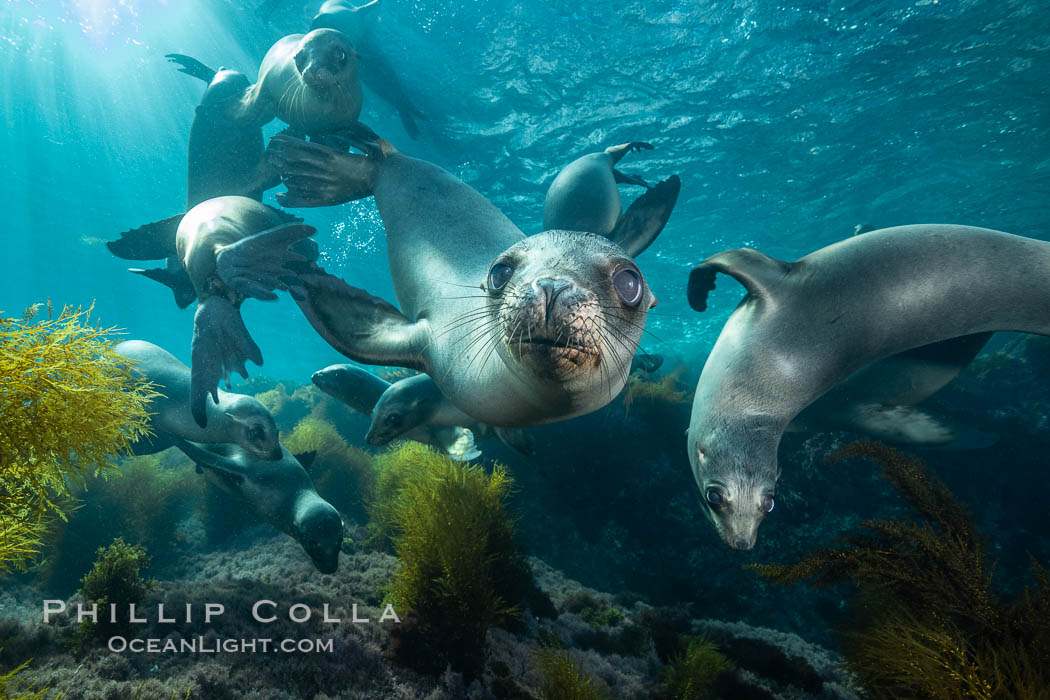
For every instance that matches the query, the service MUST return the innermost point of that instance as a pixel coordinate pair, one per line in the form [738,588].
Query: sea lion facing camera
[805,326]
[514,330]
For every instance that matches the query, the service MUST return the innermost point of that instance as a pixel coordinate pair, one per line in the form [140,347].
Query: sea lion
[233,418]
[225,158]
[361,390]
[515,331]
[374,68]
[280,491]
[233,248]
[412,408]
[805,326]
[584,197]
[309,81]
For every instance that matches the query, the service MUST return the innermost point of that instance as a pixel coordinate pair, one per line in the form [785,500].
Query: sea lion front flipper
[758,272]
[317,175]
[625,179]
[457,443]
[153,241]
[217,457]
[643,221]
[516,439]
[254,265]
[363,327]
[191,66]
[221,344]
[174,277]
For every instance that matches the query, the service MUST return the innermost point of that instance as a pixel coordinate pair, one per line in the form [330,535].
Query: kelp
[68,404]
[928,622]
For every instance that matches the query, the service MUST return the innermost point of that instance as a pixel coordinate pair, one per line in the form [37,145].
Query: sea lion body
[806,326]
[514,331]
[232,248]
[235,418]
[280,491]
[584,197]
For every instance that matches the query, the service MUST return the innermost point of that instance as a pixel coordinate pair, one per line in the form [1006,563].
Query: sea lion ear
[758,272]
[643,221]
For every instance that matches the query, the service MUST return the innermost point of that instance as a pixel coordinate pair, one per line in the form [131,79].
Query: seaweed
[928,622]
[15,686]
[694,673]
[664,390]
[115,579]
[562,679]
[460,572]
[69,403]
[342,474]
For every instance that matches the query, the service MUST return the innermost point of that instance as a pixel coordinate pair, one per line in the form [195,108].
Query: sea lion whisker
[474,333]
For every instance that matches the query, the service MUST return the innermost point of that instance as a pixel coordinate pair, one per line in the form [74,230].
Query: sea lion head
[569,309]
[254,428]
[399,409]
[356,21]
[326,59]
[736,477]
[318,528]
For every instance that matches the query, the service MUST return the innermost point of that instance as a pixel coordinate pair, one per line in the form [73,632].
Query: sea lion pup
[374,68]
[280,491]
[515,331]
[412,408]
[361,390]
[880,399]
[233,248]
[233,418]
[584,197]
[806,326]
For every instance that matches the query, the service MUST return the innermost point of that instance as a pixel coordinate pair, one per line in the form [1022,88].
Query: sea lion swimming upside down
[806,326]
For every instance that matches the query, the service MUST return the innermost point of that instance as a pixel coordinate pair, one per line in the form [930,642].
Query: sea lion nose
[742,544]
[550,289]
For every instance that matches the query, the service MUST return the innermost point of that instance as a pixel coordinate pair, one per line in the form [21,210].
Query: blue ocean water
[790,124]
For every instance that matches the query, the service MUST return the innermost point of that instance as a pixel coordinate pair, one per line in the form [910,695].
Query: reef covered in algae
[585,570]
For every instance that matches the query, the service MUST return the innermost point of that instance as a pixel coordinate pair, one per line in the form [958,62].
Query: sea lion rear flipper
[175,278]
[516,439]
[625,179]
[457,443]
[363,327]
[221,344]
[191,66]
[758,272]
[643,221]
[254,265]
[153,241]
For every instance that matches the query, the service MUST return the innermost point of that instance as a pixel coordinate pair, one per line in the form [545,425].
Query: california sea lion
[233,248]
[233,418]
[806,326]
[584,197]
[361,390]
[515,331]
[412,408]
[374,68]
[280,491]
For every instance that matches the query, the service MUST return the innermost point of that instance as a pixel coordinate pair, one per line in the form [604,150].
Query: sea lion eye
[628,284]
[714,497]
[393,420]
[499,275]
[767,503]
[340,56]
[255,433]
